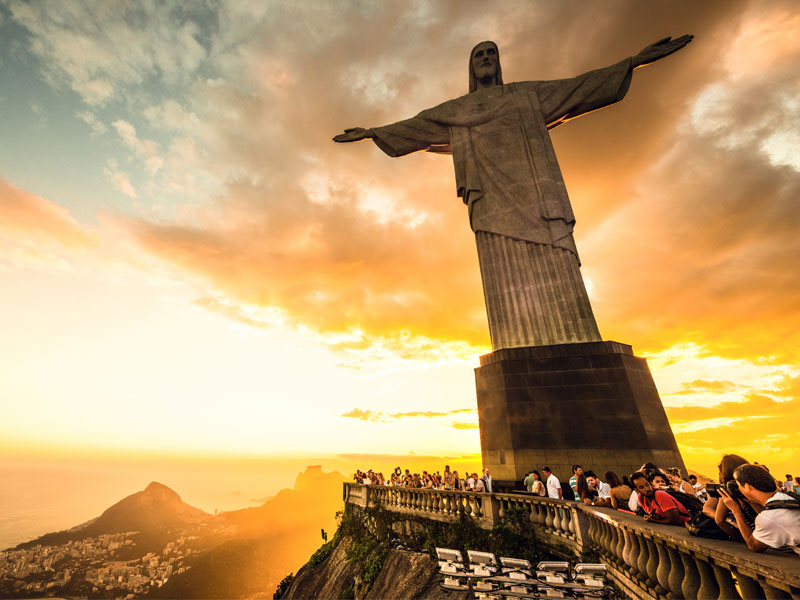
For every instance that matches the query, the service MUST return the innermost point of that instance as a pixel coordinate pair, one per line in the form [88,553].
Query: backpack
[692,504]
[793,504]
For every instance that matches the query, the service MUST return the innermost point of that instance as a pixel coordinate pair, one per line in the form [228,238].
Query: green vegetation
[373,531]
[283,586]
[323,552]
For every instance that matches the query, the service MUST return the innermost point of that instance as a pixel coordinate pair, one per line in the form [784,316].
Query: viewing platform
[645,560]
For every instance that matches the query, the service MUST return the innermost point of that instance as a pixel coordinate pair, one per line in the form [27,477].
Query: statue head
[484,64]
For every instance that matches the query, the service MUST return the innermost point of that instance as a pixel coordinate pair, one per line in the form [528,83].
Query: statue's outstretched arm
[354,134]
[659,50]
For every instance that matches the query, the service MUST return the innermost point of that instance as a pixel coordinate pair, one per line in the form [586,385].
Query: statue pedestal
[594,404]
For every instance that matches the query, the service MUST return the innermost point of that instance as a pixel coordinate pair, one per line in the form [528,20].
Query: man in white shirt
[778,525]
[487,480]
[475,484]
[553,484]
[788,485]
[603,489]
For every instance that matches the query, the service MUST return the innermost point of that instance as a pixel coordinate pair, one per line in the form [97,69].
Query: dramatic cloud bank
[685,193]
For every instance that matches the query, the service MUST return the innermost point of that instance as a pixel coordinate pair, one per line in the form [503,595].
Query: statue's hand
[660,49]
[354,134]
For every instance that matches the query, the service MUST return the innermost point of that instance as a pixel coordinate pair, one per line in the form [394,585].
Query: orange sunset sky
[189,265]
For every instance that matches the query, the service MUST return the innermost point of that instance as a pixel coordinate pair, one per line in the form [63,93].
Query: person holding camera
[718,510]
[778,524]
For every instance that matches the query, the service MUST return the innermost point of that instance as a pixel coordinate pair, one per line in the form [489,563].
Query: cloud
[684,192]
[147,150]
[30,219]
[105,52]
[699,385]
[119,179]
[464,425]
[88,117]
[383,417]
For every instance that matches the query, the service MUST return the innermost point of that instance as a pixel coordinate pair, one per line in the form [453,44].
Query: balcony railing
[647,560]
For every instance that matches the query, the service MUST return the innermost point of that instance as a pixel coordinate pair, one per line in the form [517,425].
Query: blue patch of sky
[45,149]
[48,150]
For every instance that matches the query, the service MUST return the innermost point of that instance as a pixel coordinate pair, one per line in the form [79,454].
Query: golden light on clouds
[225,253]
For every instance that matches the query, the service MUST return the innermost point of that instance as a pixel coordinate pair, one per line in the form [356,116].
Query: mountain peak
[160,491]
[306,477]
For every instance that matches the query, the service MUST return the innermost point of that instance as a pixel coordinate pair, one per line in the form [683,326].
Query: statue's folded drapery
[507,174]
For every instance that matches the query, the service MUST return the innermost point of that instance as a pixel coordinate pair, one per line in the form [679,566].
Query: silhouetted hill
[154,512]
[271,541]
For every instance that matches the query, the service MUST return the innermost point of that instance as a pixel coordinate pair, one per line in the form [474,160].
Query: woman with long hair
[620,493]
[538,484]
[586,493]
[719,512]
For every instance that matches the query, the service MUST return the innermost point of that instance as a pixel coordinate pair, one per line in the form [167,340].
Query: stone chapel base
[594,404]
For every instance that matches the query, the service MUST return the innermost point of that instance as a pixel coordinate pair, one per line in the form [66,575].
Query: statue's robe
[508,176]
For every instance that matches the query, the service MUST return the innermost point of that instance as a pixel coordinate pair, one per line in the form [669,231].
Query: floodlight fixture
[515,563]
[553,565]
[448,554]
[591,568]
[481,558]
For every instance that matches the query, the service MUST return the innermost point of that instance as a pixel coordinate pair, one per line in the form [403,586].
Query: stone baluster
[596,534]
[691,577]
[566,517]
[708,582]
[634,554]
[556,519]
[475,504]
[626,549]
[550,509]
[542,514]
[662,573]
[619,551]
[644,555]
[651,566]
[675,573]
[609,540]
[534,514]
[461,503]
[727,586]
[749,587]
[774,593]
[574,515]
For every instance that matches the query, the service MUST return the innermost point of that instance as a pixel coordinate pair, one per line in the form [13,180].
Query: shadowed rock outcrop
[404,575]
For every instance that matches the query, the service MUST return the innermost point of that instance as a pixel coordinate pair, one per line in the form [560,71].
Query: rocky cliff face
[404,575]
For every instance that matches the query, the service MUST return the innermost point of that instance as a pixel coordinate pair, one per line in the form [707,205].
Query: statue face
[484,60]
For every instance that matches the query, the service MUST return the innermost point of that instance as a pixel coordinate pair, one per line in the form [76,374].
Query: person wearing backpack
[778,525]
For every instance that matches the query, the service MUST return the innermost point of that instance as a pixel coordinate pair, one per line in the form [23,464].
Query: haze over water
[40,496]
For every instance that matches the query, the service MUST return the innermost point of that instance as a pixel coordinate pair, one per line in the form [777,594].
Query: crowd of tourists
[747,505]
[449,480]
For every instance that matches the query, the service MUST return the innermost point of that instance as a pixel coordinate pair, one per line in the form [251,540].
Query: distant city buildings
[88,566]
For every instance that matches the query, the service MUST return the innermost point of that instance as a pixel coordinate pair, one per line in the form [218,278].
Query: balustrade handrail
[650,560]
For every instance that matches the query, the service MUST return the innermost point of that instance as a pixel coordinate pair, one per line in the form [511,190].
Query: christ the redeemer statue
[509,178]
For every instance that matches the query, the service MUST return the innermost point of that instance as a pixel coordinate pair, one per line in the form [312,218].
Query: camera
[712,489]
[733,490]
